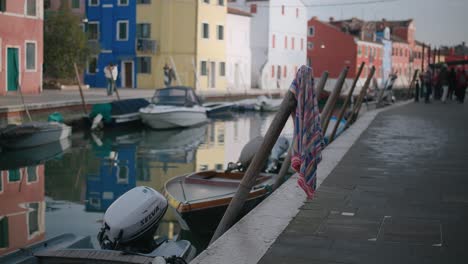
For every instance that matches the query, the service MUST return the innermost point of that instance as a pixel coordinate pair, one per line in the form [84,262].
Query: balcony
[147,46]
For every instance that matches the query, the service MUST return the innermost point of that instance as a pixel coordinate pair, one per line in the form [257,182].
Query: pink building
[21,45]
[77,6]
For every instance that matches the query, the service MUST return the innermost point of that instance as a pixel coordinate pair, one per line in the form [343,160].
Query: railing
[146,45]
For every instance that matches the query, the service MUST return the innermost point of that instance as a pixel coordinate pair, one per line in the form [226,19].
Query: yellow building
[211,154]
[187,35]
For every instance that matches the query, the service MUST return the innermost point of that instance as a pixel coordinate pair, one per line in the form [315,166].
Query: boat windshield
[175,96]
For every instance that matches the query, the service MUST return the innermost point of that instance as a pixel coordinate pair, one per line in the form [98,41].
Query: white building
[238,54]
[278,40]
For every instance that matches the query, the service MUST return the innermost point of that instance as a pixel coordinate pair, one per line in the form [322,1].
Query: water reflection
[81,183]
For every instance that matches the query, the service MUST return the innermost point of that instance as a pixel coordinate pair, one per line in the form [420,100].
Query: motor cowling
[132,220]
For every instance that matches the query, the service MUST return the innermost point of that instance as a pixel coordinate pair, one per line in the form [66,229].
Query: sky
[438,22]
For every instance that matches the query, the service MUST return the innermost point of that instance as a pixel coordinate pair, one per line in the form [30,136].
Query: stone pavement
[399,195]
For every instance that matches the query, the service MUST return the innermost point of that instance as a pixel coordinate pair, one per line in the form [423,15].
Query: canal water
[70,192]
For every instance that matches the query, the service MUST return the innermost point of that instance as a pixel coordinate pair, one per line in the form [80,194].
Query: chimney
[332,19]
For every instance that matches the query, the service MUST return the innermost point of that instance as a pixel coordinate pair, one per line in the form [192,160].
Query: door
[12,69]
[213,75]
[128,71]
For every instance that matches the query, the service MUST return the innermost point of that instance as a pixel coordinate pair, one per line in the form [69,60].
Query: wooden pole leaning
[287,161]
[410,90]
[363,93]
[328,109]
[77,73]
[345,104]
[250,176]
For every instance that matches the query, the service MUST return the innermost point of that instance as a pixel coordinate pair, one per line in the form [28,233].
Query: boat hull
[38,138]
[173,119]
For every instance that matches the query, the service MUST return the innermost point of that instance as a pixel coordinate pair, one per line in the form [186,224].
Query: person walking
[452,78]
[444,82]
[416,95]
[461,85]
[428,85]
[111,73]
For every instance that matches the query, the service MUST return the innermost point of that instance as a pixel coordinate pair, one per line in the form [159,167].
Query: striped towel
[308,138]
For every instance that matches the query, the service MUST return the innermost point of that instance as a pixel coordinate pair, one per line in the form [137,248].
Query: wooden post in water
[328,109]
[363,93]
[77,73]
[345,105]
[287,161]
[250,176]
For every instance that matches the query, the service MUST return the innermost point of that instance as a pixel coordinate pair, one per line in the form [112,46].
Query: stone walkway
[400,195]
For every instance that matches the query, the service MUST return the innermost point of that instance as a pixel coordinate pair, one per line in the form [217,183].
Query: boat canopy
[176,96]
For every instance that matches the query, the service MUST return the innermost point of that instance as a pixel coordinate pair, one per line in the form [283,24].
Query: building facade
[77,7]
[21,46]
[111,28]
[278,40]
[238,54]
[401,61]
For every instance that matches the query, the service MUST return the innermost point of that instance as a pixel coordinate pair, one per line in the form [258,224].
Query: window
[92,65]
[93,31]
[401,52]
[3,5]
[144,30]
[33,218]
[75,4]
[206,1]
[273,41]
[272,71]
[311,31]
[285,42]
[222,69]
[359,51]
[93,2]
[143,1]
[282,10]
[122,175]
[292,43]
[221,2]
[310,45]
[122,30]
[204,70]
[219,167]
[253,9]
[14,175]
[205,30]
[30,56]
[220,32]
[31,7]
[4,241]
[32,174]
[123,3]
[144,64]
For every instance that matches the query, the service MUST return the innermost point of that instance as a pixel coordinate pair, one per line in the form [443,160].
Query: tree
[65,43]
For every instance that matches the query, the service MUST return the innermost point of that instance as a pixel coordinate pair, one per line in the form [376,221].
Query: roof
[239,12]
[398,39]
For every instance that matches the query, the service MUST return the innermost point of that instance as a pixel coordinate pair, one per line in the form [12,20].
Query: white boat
[265,104]
[174,107]
[219,109]
[33,134]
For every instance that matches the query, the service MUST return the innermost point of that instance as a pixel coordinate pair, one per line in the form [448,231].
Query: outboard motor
[275,160]
[132,220]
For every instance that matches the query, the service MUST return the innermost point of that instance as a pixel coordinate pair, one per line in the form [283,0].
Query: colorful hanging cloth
[308,139]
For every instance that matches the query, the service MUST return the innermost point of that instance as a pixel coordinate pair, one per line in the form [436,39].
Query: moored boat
[121,112]
[219,109]
[174,107]
[202,198]
[33,134]
[265,104]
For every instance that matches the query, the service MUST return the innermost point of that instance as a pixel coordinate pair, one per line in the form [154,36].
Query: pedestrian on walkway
[416,96]
[111,73]
[444,82]
[461,85]
[452,77]
[428,85]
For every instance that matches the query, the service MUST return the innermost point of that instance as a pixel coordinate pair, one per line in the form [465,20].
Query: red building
[334,45]
[401,52]
[22,208]
[21,45]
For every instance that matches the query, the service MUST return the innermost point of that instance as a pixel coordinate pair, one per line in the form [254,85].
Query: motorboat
[16,158]
[265,104]
[174,107]
[219,109]
[33,134]
[122,112]
[201,198]
[127,235]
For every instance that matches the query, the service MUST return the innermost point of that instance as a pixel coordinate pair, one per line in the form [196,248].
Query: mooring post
[287,161]
[415,75]
[328,109]
[77,73]
[363,93]
[345,104]
[250,176]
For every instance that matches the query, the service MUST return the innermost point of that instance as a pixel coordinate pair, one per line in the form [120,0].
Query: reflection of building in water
[117,175]
[22,208]
[237,135]
[210,156]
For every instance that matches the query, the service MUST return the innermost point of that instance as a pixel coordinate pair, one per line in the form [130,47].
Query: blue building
[384,37]
[111,29]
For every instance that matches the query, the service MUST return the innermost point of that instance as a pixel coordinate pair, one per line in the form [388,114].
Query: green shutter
[14,175]
[4,233]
